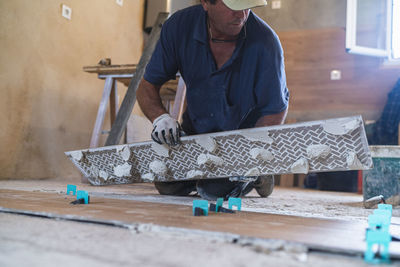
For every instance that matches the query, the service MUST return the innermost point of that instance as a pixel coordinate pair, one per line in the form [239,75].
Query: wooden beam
[130,98]
[179,100]
[114,103]
[112,69]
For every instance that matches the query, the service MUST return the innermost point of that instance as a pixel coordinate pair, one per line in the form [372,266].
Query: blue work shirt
[251,84]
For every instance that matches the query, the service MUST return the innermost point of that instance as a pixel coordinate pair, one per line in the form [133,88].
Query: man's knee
[182,188]
[264,185]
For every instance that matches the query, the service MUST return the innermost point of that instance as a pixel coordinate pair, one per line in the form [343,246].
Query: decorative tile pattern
[289,144]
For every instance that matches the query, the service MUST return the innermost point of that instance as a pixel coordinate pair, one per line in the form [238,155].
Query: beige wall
[48,104]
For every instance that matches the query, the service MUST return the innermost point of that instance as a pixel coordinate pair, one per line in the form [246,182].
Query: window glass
[396,29]
[371,24]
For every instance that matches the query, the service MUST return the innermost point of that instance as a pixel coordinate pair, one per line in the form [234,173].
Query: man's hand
[166,130]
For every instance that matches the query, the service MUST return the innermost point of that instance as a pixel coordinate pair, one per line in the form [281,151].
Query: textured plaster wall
[304,14]
[48,105]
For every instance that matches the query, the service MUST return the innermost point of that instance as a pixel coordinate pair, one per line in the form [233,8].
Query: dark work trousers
[209,189]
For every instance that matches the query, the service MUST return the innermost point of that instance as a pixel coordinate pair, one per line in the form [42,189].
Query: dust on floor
[29,241]
[285,201]
[43,242]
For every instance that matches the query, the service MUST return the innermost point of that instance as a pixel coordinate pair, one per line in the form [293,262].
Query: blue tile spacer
[233,201]
[220,202]
[71,188]
[83,194]
[385,207]
[377,221]
[385,213]
[202,204]
[382,239]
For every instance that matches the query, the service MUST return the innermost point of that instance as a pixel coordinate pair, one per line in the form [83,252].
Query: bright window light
[373,29]
[396,29]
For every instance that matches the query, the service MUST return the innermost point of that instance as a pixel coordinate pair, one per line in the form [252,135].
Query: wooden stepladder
[119,116]
[110,91]
[110,94]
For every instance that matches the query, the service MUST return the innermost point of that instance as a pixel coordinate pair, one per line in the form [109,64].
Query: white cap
[244,4]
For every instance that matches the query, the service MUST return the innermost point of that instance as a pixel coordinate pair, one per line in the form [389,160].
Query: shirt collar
[200,29]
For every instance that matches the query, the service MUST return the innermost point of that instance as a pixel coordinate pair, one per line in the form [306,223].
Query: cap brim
[243,4]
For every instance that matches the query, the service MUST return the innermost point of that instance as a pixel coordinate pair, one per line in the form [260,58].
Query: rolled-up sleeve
[271,92]
[163,64]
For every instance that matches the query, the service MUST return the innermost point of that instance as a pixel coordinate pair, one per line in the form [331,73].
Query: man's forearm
[148,97]
[274,119]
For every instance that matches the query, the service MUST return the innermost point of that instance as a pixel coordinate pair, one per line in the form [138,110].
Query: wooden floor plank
[331,235]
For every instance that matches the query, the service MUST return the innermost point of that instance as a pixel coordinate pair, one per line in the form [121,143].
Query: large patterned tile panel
[340,144]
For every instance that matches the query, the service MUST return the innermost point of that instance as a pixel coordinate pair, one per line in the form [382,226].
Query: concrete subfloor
[30,241]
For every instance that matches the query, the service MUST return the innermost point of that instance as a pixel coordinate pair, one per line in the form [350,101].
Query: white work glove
[166,130]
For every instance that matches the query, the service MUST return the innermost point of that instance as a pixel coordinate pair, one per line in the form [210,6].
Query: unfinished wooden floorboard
[321,234]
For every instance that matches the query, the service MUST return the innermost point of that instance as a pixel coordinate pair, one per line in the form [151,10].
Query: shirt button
[212,114]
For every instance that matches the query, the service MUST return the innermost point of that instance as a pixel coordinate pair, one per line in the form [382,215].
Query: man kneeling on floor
[232,64]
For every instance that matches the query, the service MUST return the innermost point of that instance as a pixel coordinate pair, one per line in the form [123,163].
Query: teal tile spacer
[220,202]
[384,213]
[71,188]
[233,201]
[378,221]
[83,194]
[377,238]
[385,207]
[202,204]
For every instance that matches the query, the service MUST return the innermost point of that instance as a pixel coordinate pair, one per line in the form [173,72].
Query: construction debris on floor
[305,220]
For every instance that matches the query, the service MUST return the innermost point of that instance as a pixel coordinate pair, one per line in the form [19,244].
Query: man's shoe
[264,185]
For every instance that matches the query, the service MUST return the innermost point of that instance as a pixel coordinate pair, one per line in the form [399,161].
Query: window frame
[395,42]
[351,33]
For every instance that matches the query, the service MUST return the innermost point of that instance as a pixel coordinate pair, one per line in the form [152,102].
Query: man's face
[226,21]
